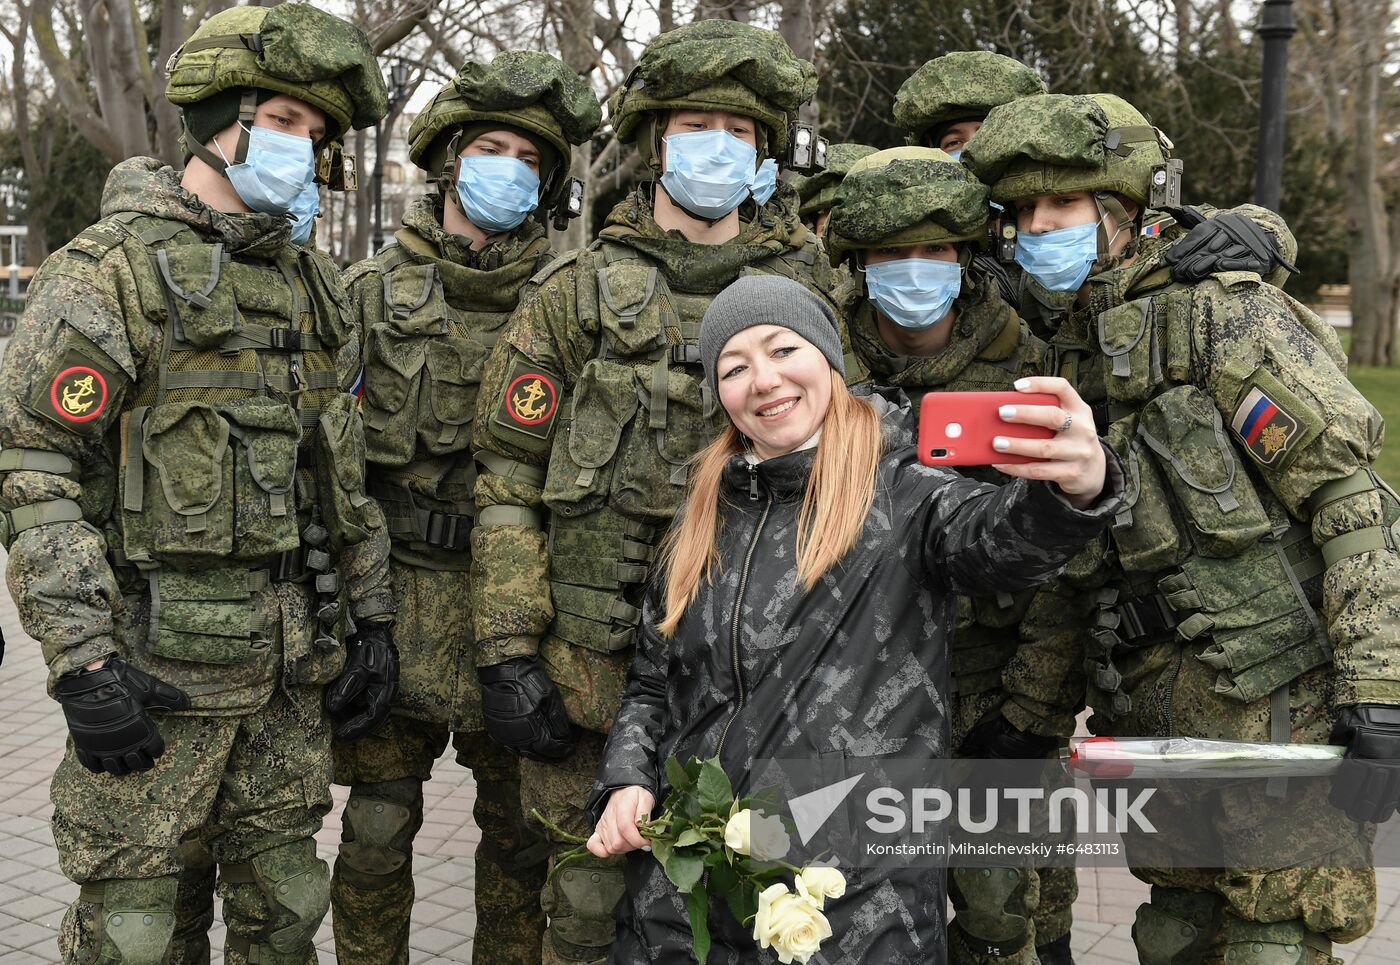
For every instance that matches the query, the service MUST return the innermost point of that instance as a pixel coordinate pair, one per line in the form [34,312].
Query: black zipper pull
[753,482]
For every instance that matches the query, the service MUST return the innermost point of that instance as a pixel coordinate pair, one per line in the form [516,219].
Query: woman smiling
[805,600]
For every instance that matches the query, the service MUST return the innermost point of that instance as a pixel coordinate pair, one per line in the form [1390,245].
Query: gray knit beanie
[768,300]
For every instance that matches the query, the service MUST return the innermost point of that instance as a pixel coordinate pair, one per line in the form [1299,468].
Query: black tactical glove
[1367,785]
[358,700]
[1226,242]
[999,739]
[524,710]
[108,715]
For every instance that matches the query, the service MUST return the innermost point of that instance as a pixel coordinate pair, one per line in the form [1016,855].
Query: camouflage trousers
[253,788]
[372,890]
[582,900]
[1037,911]
[1173,693]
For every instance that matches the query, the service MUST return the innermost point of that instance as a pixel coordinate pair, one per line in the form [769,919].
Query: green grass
[1382,387]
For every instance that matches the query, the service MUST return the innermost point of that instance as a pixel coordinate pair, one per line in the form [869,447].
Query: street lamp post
[1275,26]
[398,88]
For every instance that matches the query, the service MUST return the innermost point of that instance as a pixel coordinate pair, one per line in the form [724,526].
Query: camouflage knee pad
[992,910]
[1176,926]
[378,827]
[1278,943]
[581,902]
[129,921]
[275,903]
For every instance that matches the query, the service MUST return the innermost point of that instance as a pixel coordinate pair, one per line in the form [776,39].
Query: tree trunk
[798,26]
[1372,311]
[357,247]
[577,27]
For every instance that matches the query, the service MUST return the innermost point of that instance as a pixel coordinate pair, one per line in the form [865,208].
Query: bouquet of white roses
[711,843]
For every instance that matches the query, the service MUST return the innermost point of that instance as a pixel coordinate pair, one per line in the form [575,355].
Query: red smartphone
[957,428]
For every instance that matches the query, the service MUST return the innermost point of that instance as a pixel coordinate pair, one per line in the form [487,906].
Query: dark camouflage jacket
[855,668]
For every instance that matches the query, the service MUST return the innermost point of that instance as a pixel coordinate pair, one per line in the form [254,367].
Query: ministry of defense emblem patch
[530,403]
[1264,426]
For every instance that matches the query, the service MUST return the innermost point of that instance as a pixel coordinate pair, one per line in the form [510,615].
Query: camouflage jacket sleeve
[983,540]
[527,383]
[630,755]
[366,564]
[1277,375]
[1044,680]
[66,375]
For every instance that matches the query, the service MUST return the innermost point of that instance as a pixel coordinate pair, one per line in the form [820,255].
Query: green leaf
[698,907]
[716,793]
[742,899]
[661,851]
[689,837]
[684,870]
[676,774]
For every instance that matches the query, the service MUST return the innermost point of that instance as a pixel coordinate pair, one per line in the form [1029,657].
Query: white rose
[768,839]
[736,831]
[791,925]
[818,883]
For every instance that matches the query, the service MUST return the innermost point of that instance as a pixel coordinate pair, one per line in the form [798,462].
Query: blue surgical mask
[1060,260]
[304,211]
[708,173]
[914,293]
[765,181]
[955,155]
[278,169]
[497,193]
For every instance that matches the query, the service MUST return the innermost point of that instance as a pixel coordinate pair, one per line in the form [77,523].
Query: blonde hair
[839,492]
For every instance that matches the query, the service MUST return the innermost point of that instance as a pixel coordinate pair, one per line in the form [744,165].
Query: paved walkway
[33,895]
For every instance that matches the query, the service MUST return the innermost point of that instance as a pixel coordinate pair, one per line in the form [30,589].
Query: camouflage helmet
[524,89]
[957,86]
[817,190]
[717,65]
[906,196]
[1061,143]
[294,49]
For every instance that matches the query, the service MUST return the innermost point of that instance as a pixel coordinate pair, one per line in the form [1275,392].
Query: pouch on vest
[1145,531]
[340,450]
[203,616]
[261,290]
[629,309]
[602,557]
[581,462]
[264,469]
[667,431]
[203,299]
[177,494]
[1187,439]
[1263,625]
[1127,336]
[328,296]
[453,368]
[392,362]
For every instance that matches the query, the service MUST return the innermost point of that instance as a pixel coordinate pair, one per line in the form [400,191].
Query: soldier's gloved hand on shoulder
[358,700]
[1367,785]
[1226,242]
[524,710]
[108,714]
[1000,739]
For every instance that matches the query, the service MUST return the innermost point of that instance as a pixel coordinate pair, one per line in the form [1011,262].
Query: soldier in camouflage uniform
[590,407]
[432,304]
[1252,589]
[899,208]
[183,504]
[815,191]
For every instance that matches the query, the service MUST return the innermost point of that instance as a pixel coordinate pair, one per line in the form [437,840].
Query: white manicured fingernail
[646,847]
[1022,384]
[1007,412]
[1001,443]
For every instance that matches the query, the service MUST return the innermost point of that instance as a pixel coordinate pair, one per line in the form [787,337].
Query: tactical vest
[423,361]
[1206,554]
[985,636]
[641,409]
[240,462]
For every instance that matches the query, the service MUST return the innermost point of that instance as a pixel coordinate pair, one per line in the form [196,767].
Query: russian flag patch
[1265,428]
[1155,228]
[357,388]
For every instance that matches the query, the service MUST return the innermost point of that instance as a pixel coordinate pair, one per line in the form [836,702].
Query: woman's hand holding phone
[1072,458]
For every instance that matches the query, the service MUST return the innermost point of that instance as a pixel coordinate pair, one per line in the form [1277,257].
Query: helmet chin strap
[1110,207]
[247,108]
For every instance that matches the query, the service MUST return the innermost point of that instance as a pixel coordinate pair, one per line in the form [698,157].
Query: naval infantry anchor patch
[530,402]
[76,395]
